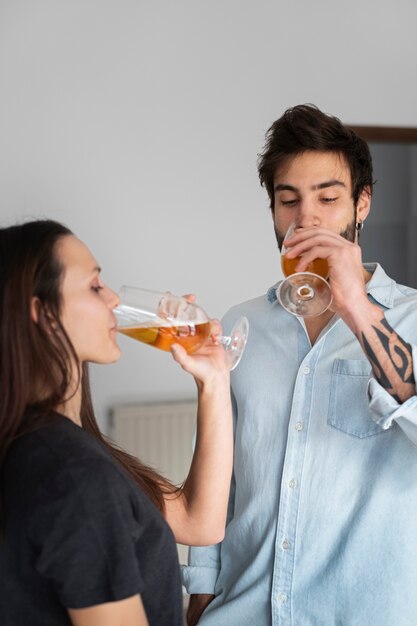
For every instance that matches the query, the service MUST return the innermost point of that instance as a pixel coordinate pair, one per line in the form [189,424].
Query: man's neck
[315,325]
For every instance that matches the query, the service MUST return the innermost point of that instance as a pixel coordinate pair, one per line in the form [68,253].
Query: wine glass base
[305,294]
[237,341]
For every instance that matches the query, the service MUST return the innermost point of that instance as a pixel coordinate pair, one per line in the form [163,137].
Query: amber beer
[190,336]
[318,266]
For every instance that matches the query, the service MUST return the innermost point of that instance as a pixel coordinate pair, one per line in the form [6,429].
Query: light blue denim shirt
[322,526]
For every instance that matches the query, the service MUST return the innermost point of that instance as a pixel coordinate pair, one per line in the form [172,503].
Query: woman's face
[87,304]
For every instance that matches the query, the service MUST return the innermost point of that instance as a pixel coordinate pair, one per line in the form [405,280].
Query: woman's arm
[128,612]
[197,514]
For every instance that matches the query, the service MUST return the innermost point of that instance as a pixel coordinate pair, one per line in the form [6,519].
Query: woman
[84,539]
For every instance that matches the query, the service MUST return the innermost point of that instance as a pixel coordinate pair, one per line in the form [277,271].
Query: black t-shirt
[79,532]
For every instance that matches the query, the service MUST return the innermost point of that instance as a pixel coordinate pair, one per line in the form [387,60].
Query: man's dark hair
[303,128]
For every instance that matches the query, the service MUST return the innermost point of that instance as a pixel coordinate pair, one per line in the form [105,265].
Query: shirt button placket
[282,596]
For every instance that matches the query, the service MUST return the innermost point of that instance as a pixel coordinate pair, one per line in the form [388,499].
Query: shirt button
[306,370]
[285,545]
[282,598]
[299,426]
[292,483]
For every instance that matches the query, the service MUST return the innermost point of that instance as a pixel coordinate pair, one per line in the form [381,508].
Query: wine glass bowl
[161,319]
[307,293]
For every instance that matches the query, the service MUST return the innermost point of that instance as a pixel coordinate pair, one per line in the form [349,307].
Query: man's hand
[389,355]
[198,604]
[346,273]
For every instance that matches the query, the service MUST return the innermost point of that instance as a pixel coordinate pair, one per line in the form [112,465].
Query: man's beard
[349,233]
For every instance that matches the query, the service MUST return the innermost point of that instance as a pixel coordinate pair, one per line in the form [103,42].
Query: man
[322,523]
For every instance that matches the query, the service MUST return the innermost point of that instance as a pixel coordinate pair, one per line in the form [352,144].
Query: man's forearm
[389,355]
[391,360]
[197,605]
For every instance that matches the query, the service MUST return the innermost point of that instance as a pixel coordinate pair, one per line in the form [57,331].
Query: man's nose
[307,215]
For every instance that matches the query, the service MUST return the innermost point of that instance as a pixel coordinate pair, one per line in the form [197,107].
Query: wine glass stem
[225,341]
[305,292]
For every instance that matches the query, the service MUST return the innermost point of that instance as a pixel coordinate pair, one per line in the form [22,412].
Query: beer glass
[307,293]
[161,319]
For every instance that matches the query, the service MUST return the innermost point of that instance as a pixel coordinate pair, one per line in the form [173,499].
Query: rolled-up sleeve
[200,575]
[385,409]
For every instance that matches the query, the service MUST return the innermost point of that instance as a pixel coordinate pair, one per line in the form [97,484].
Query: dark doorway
[390,232]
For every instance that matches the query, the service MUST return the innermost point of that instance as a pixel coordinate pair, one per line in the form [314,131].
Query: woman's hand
[209,363]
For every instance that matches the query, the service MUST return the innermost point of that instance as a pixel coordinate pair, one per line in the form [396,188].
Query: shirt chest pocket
[348,405]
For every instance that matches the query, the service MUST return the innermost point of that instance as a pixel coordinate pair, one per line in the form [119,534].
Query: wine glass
[307,293]
[161,319]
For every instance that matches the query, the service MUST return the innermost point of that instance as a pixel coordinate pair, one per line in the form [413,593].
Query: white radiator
[160,435]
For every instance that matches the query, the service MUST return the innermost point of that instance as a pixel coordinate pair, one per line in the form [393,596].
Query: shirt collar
[380,287]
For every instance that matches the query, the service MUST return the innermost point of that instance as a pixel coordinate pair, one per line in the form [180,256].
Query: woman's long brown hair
[35,371]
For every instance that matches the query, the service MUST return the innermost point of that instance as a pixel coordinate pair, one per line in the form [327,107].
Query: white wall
[138,124]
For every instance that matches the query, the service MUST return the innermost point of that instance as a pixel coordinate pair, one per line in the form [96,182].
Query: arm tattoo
[398,353]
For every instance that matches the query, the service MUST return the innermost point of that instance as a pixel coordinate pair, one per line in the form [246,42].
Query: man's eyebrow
[285,188]
[328,183]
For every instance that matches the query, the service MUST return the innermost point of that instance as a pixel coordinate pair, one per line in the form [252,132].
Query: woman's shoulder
[55,437]
[60,448]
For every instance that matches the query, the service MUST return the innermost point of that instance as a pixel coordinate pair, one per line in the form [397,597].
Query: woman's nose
[114,299]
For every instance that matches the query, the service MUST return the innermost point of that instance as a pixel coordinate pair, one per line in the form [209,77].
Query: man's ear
[364,204]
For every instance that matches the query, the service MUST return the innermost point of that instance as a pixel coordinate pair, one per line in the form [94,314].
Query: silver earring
[359,226]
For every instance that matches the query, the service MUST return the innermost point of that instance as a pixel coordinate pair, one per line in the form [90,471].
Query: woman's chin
[112,357]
